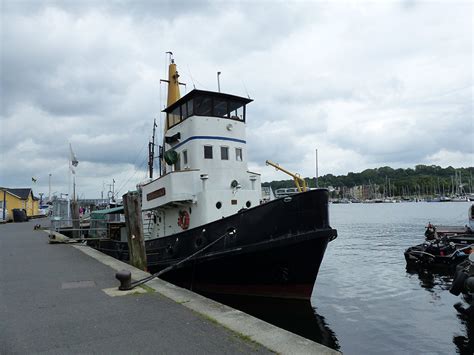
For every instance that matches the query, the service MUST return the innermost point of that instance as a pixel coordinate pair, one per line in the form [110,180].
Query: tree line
[422,180]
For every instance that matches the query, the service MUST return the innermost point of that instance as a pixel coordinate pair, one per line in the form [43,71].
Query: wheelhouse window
[206,103]
[224,153]
[237,110]
[238,154]
[184,111]
[190,107]
[203,106]
[208,152]
[221,108]
[174,117]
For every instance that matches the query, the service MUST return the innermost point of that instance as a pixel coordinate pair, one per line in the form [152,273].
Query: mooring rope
[171,267]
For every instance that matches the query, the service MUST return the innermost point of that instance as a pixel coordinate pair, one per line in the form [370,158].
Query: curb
[273,338]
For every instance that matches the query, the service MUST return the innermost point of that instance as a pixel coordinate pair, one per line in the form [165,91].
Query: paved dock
[56,299]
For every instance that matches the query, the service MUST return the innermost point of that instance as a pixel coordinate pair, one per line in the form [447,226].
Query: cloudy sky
[365,83]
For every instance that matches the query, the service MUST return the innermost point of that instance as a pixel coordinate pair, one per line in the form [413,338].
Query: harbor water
[365,301]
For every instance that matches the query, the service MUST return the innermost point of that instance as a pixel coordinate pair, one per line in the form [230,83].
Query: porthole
[248,204]
[218,205]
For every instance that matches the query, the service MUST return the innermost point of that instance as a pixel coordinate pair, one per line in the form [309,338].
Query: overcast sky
[367,84]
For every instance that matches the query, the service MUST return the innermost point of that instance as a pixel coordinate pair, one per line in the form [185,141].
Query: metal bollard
[125,278]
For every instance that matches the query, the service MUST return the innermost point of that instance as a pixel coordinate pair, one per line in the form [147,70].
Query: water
[367,297]
[365,301]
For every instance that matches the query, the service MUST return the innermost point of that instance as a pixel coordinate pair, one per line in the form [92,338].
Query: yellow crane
[299,181]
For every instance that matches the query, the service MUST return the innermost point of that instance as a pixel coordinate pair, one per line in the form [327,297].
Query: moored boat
[204,216]
[438,253]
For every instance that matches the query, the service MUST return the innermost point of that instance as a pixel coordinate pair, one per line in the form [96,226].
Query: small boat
[455,233]
[438,252]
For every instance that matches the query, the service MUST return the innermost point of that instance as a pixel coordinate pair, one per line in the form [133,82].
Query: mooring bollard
[125,278]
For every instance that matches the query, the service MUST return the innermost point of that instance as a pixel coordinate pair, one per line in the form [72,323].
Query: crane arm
[299,181]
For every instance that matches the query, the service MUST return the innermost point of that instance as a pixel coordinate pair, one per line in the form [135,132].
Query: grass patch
[148,289]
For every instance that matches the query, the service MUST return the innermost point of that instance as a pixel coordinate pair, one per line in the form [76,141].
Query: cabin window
[185,158]
[224,153]
[237,110]
[174,117]
[208,152]
[184,111]
[203,106]
[238,154]
[190,107]
[220,108]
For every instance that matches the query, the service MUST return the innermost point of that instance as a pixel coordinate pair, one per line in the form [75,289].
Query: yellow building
[18,198]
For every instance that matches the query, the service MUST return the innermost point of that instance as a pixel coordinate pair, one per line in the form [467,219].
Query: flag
[73,160]
[33,179]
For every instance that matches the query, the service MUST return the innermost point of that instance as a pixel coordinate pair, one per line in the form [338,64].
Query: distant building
[17,198]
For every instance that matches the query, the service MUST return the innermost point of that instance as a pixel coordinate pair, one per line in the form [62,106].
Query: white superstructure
[204,173]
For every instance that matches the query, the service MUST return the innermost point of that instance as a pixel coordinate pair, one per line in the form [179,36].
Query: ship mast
[173,85]
[173,96]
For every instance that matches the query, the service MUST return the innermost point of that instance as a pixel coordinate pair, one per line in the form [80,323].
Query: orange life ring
[183,220]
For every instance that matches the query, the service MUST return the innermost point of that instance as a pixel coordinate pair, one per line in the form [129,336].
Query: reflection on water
[465,343]
[440,280]
[371,301]
[433,281]
[296,316]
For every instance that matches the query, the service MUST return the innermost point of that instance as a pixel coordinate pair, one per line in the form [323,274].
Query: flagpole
[69,187]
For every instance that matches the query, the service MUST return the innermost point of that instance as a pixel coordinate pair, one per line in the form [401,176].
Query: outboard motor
[430,232]
[464,283]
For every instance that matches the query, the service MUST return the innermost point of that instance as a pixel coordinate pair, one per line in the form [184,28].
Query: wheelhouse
[206,103]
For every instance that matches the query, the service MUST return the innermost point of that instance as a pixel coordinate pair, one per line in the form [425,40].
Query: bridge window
[190,107]
[224,153]
[208,152]
[237,110]
[207,104]
[184,111]
[203,106]
[185,158]
[174,117]
[238,154]
[220,108]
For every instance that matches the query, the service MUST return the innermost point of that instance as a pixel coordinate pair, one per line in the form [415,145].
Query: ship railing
[78,229]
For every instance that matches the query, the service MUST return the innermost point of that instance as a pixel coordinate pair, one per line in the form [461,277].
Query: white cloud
[368,84]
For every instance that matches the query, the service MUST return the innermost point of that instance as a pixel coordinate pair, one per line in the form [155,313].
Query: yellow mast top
[173,84]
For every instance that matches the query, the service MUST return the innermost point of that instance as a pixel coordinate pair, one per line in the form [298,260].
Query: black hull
[276,251]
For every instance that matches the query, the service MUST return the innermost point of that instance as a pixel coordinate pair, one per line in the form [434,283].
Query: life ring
[183,220]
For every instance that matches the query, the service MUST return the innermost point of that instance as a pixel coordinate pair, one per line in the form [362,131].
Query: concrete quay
[63,298]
